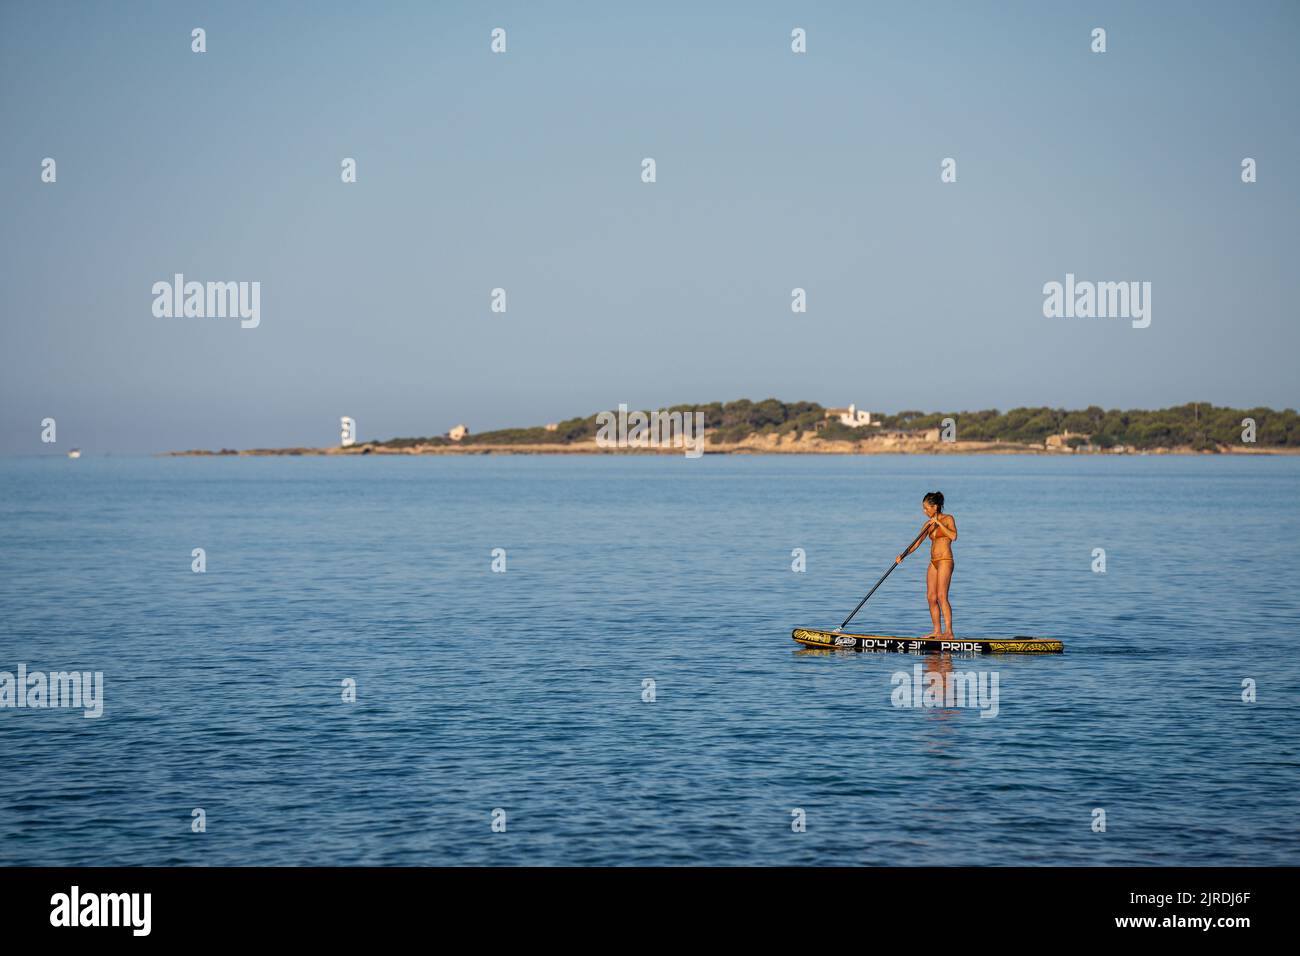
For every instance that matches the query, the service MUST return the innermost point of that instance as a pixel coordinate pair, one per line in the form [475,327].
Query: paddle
[892,565]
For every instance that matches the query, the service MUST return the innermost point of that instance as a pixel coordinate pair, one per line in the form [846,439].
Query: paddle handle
[893,564]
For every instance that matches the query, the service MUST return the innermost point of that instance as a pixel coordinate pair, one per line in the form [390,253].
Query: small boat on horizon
[74,453]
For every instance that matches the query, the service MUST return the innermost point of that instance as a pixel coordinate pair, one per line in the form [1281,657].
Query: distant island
[775,427]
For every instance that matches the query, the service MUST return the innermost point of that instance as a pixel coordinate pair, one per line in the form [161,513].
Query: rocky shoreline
[805,444]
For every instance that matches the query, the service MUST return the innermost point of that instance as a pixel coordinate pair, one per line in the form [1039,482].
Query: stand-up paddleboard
[812,637]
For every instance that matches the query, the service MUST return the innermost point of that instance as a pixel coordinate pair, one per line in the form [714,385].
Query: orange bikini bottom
[935,562]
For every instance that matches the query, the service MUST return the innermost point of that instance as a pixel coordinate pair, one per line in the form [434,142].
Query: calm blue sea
[524,691]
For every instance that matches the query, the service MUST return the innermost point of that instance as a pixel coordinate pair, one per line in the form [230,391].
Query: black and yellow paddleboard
[927,645]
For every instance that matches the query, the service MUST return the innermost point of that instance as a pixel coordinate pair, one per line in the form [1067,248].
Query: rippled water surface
[524,691]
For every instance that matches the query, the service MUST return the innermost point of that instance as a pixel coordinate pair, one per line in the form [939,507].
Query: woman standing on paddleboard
[941,529]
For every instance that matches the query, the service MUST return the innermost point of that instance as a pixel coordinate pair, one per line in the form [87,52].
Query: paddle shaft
[915,542]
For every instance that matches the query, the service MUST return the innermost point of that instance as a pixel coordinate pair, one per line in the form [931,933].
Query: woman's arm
[917,543]
[948,531]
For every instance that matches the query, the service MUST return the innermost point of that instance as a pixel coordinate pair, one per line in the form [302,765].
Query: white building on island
[852,416]
[459,432]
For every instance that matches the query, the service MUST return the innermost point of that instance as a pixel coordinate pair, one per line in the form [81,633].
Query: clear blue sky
[523,171]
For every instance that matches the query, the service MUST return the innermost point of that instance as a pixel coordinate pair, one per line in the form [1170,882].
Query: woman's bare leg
[932,596]
[944,579]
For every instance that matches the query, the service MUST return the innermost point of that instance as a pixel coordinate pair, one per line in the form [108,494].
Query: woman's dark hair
[935,498]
